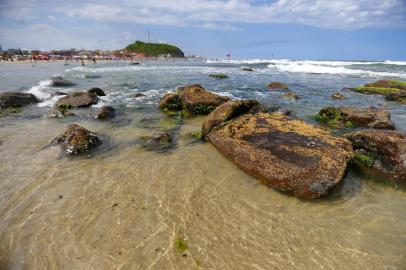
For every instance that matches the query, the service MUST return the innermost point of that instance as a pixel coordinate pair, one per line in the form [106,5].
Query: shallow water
[122,207]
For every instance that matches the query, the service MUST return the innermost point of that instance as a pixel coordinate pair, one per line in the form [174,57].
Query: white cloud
[215,14]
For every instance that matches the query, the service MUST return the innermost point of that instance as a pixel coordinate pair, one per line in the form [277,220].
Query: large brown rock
[197,100]
[284,153]
[16,99]
[76,140]
[77,100]
[382,152]
[225,112]
[356,117]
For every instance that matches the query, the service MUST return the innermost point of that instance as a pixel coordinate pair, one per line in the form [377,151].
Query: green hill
[155,49]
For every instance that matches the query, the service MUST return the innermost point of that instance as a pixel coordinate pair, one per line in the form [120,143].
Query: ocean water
[123,207]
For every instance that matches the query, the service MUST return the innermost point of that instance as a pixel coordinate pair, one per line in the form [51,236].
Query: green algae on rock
[218,75]
[192,100]
[393,90]
[284,153]
[348,117]
[382,152]
[9,100]
[278,85]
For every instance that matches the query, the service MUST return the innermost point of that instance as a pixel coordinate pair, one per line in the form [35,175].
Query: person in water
[83,62]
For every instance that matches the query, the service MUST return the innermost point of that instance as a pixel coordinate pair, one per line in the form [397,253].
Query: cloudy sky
[298,29]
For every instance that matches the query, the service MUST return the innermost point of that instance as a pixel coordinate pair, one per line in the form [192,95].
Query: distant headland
[155,49]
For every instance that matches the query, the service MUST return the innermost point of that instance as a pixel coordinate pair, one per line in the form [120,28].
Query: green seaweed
[364,159]
[180,244]
[64,106]
[5,112]
[196,134]
[202,109]
[218,76]
[333,117]
[370,90]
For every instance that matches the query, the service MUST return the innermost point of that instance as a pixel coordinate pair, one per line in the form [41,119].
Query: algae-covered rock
[96,91]
[218,75]
[157,142]
[196,100]
[16,99]
[291,95]
[192,99]
[381,152]
[77,100]
[171,102]
[58,81]
[225,112]
[105,113]
[348,117]
[284,153]
[278,85]
[393,90]
[76,140]
[337,96]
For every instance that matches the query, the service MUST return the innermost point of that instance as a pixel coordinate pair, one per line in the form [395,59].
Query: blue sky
[297,29]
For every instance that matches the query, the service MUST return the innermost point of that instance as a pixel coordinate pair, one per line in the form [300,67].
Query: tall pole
[148,36]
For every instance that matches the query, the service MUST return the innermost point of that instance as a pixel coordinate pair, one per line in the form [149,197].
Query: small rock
[160,141]
[96,91]
[291,95]
[58,81]
[105,112]
[247,69]
[59,113]
[278,85]
[137,95]
[218,76]
[171,102]
[76,140]
[337,96]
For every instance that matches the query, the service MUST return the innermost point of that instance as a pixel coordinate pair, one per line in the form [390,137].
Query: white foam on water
[329,67]
[38,90]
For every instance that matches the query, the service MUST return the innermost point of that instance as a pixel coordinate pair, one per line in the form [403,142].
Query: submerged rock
[91,76]
[77,100]
[105,113]
[355,117]
[382,152]
[160,141]
[337,96]
[246,69]
[58,81]
[96,91]
[193,99]
[16,99]
[218,76]
[284,153]
[393,90]
[137,95]
[278,85]
[76,140]
[59,113]
[291,95]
